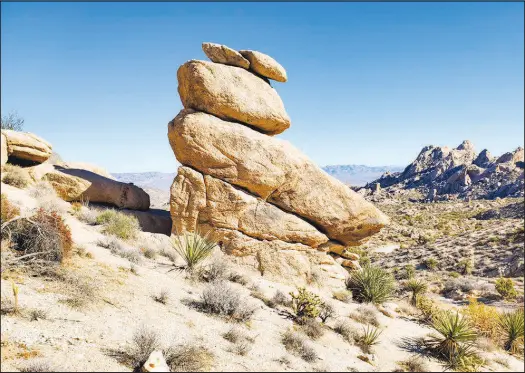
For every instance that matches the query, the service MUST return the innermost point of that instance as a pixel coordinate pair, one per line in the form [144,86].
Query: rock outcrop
[4,155]
[222,54]
[264,201]
[26,148]
[458,173]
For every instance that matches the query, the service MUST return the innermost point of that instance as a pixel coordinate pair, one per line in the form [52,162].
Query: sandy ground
[83,340]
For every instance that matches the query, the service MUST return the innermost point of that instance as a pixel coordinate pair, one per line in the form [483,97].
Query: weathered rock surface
[198,200]
[232,94]
[88,167]
[152,220]
[25,146]
[458,173]
[275,171]
[265,65]
[219,53]
[155,363]
[512,211]
[77,185]
[3,150]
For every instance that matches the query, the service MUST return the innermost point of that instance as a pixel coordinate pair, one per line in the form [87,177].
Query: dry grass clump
[312,329]
[116,247]
[243,342]
[47,198]
[44,237]
[37,314]
[297,345]
[366,314]
[369,338]
[8,210]
[162,297]
[37,366]
[221,299]
[121,225]
[413,364]
[344,296]
[144,341]
[87,215]
[346,330]
[217,270]
[15,176]
[189,358]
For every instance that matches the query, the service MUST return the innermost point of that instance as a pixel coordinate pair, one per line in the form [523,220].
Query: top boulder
[265,65]
[222,54]
[27,147]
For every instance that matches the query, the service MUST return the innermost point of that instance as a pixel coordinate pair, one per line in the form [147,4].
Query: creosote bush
[121,225]
[505,287]
[371,285]
[221,299]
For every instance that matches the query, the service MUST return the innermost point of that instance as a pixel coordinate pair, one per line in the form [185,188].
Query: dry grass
[413,364]
[117,247]
[15,176]
[243,342]
[221,299]
[344,296]
[118,224]
[312,329]
[37,314]
[366,314]
[189,358]
[297,345]
[346,330]
[47,198]
[162,297]
[37,366]
[8,210]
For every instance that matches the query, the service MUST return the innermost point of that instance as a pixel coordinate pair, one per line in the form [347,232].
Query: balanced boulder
[222,54]
[274,170]
[28,147]
[265,65]
[233,94]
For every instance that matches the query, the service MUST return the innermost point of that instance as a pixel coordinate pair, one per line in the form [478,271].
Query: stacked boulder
[266,203]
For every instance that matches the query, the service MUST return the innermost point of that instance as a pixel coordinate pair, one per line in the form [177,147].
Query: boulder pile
[265,202]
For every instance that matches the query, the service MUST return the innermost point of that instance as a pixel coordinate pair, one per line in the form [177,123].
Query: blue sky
[368,83]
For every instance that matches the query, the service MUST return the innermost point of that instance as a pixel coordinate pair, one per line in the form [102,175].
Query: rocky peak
[484,159]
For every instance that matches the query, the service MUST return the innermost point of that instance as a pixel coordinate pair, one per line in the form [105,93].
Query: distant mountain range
[355,175]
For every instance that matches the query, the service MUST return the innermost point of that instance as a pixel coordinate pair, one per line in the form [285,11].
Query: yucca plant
[369,338]
[193,247]
[511,325]
[417,287]
[455,336]
[371,285]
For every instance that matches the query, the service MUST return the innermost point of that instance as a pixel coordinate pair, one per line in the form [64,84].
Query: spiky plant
[512,325]
[417,287]
[455,336]
[193,247]
[369,338]
[371,285]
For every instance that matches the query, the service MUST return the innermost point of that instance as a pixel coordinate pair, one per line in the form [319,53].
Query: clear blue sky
[369,83]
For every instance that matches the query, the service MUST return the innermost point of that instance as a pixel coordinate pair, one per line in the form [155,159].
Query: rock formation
[25,147]
[265,202]
[3,150]
[460,173]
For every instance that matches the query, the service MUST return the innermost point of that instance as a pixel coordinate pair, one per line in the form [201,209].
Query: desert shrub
[16,176]
[466,285]
[189,358]
[217,270]
[8,210]
[410,271]
[366,314]
[221,299]
[37,314]
[345,329]
[47,198]
[76,207]
[12,121]
[121,225]
[116,247]
[344,296]
[87,215]
[484,318]
[296,344]
[369,338]
[511,325]
[145,340]
[427,307]
[162,297]
[413,364]
[37,366]
[454,338]
[505,287]
[417,288]
[371,285]
[149,252]
[466,266]
[43,237]
[281,299]
[305,304]
[327,311]
[193,248]
[238,278]
[312,329]
[454,274]
[236,335]
[430,263]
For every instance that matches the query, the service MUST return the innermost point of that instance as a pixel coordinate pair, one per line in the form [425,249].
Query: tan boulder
[89,167]
[27,146]
[350,264]
[77,184]
[275,171]
[222,54]
[153,220]
[155,363]
[232,94]
[265,65]
[198,200]
[3,150]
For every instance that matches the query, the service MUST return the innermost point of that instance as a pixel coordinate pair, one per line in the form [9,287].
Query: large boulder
[233,94]
[222,54]
[81,185]
[198,200]
[484,159]
[27,147]
[153,220]
[275,171]
[265,65]
[3,150]
[89,167]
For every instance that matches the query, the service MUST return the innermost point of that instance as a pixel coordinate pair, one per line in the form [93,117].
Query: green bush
[505,287]
[121,225]
[371,285]
[466,266]
[431,263]
[410,271]
[305,304]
